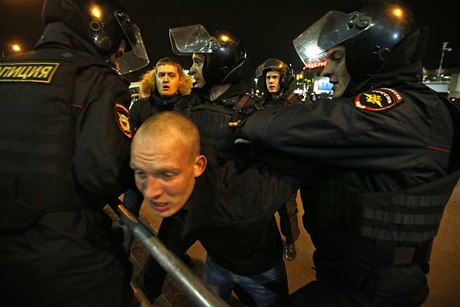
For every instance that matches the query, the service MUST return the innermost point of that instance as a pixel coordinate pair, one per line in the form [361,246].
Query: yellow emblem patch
[379,99]
[122,119]
[28,72]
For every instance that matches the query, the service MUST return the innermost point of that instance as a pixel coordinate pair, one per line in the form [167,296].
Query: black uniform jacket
[231,212]
[144,108]
[65,153]
[413,134]
[212,117]
[286,98]
[392,136]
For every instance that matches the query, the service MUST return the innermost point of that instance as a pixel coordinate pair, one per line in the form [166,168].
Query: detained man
[232,220]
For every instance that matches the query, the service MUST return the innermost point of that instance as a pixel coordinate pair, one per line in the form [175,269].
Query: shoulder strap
[244,107]
[242,101]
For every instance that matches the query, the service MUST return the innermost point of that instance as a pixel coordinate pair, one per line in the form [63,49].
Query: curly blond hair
[147,83]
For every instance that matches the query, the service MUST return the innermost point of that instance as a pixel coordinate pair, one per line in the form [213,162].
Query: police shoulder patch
[122,119]
[378,99]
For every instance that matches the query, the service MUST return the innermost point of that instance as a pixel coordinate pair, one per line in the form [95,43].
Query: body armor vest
[212,120]
[385,227]
[393,227]
[37,135]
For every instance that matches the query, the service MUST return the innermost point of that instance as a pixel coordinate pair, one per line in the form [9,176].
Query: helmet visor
[136,56]
[272,64]
[192,39]
[332,29]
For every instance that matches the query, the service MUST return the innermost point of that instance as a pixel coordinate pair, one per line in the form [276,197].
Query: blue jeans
[267,288]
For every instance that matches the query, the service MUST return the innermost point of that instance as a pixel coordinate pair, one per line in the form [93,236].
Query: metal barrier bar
[188,281]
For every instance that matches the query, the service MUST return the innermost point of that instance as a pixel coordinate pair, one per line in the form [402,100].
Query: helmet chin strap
[236,72]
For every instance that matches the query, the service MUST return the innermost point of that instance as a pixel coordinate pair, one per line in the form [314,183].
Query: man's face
[165,172]
[196,71]
[168,80]
[115,57]
[336,70]
[272,80]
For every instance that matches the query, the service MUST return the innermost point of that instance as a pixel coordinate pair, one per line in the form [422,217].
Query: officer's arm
[101,161]
[333,132]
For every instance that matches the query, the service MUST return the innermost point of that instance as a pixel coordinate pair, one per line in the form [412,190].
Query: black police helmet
[390,42]
[228,61]
[272,64]
[97,21]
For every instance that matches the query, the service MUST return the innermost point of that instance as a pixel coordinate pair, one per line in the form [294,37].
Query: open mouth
[160,207]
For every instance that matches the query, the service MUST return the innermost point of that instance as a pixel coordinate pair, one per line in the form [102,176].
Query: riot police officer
[65,150]
[277,78]
[383,157]
[219,65]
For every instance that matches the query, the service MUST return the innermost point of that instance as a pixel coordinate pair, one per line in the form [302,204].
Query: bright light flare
[224,38]
[311,53]
[398,12]
[96,12]
[16,48]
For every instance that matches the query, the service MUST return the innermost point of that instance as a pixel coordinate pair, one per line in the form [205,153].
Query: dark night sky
[266,29]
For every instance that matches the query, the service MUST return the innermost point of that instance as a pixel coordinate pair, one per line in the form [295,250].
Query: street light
[254,90]
[444,49]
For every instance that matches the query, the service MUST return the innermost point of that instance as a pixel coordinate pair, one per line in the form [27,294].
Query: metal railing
[188,281]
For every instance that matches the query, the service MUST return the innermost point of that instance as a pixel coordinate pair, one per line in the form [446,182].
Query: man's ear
[200,165]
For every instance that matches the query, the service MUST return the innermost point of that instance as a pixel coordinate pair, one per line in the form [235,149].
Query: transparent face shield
[192,39]
[272,64]
[332,29]
[136,57]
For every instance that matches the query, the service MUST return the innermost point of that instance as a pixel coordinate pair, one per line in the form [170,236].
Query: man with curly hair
[160,88]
